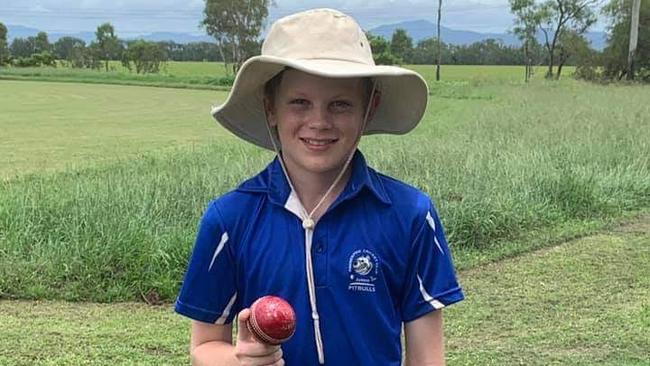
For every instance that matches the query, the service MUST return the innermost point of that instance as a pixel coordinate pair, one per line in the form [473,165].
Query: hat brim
[403,95]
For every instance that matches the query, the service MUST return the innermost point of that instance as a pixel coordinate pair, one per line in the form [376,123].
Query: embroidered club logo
[363,267]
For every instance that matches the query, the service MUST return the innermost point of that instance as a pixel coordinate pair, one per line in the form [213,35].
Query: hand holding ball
[272,320]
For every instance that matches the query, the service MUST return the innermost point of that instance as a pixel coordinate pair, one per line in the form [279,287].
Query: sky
[133,17]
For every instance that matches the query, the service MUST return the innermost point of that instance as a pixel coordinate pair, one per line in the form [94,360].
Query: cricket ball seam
[254,328]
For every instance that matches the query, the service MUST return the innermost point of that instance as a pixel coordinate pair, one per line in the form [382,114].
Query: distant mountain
[19,31]
[85,36]
[421,29]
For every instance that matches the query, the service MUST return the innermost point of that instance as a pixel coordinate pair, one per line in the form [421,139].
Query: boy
[357,254]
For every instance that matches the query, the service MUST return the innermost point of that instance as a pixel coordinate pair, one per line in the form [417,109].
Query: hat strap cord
[308,223]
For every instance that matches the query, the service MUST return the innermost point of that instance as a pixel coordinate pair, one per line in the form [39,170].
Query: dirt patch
[639,225]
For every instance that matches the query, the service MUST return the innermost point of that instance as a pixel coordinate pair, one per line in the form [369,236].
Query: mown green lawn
[586,302]
[50,127]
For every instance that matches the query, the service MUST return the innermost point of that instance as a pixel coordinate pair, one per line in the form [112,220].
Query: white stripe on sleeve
[433,226]
[226,311]
[224,239]
[430,221]
[435,303]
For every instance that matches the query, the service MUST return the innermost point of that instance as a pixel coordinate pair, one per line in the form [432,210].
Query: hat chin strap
[308,223]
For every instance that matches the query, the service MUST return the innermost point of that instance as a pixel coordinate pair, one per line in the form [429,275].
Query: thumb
[243,334]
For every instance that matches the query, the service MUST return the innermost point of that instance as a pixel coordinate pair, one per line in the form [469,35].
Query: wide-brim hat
[327,43]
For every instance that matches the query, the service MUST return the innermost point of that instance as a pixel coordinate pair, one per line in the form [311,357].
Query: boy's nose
[319,118]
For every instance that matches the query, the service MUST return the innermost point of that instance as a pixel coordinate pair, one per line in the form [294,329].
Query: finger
[243,334]
[279,362]
[257,349]
[269,360]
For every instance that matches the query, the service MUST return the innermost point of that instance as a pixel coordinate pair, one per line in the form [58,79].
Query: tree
[22,47]
[527,21]
[4,50]
[146,56]
[487,52]
[552,17]
[381,50]
[108,45]
[572,45]
[235,25]
[427,50]
[401,45]
[42,43]
[615,55]
[378,44]
[66,48]
[557,16]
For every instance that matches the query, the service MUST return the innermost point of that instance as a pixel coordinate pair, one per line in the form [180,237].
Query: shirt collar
[272,181]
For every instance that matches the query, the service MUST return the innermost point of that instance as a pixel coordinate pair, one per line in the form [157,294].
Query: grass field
[586,302]
[55,126]
[130,169]
[102,186]
[580,303]
[192,75]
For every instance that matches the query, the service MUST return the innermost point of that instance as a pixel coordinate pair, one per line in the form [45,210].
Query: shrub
[36,60]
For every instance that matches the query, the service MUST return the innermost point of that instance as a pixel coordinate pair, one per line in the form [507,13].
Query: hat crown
[318,34]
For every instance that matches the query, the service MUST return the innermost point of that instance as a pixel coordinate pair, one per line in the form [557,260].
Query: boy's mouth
[318,144]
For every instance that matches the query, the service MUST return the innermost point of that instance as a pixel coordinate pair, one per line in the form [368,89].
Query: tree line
[138,55]
[400,49]
[38,51]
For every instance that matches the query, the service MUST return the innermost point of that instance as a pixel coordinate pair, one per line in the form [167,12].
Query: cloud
[37,8]
[143,16]
[479,15]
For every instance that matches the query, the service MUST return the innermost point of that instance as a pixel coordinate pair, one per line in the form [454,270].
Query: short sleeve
[431,282]
[209,291]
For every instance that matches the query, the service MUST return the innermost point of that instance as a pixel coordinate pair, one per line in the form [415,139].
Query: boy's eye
[300,102]
[340,105]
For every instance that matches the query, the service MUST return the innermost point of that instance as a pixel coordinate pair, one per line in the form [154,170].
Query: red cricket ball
[272,320]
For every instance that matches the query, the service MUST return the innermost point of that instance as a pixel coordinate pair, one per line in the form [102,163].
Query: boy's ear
[270,112]
[376,101]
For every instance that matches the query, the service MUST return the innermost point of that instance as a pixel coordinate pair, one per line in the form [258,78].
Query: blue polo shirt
[379,256]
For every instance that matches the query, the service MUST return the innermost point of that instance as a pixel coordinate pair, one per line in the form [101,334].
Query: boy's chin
[323,166]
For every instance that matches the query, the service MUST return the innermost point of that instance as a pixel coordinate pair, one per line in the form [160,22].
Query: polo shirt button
[319,247]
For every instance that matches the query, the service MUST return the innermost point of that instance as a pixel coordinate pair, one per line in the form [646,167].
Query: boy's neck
[310,189]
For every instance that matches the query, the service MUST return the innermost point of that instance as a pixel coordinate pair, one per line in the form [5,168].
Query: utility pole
[438,46]
[634,36]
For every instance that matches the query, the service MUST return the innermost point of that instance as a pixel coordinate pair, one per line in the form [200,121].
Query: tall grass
[499,161]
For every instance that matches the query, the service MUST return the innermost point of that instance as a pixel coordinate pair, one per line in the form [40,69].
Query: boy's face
[318,120]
